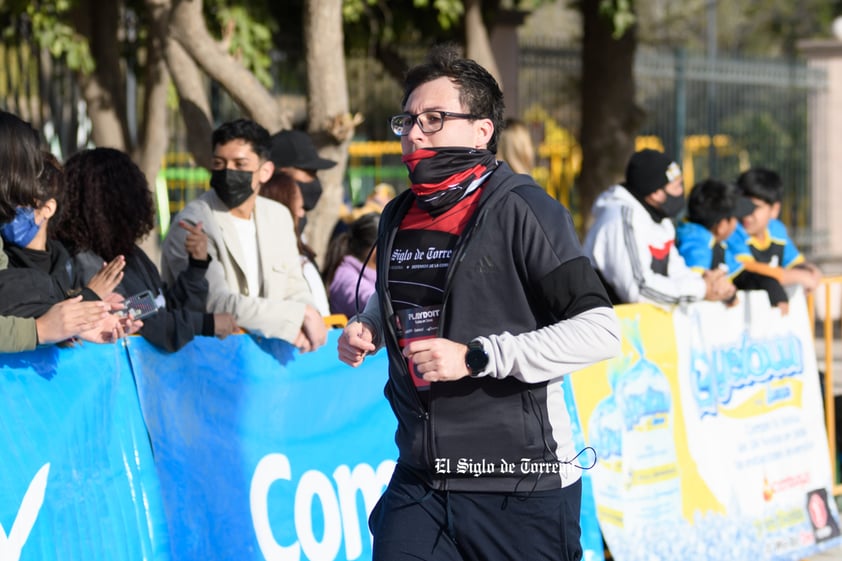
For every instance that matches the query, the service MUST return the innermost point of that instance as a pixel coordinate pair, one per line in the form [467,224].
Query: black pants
[411,521]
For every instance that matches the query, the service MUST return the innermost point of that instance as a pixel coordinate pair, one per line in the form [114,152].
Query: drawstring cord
[449,526]
[549,452]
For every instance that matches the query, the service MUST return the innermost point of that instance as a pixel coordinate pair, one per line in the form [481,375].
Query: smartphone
[139,306]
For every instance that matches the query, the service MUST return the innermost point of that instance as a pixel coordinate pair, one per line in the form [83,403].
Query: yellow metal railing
[827,288]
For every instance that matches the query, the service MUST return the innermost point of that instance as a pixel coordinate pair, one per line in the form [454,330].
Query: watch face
[475,358]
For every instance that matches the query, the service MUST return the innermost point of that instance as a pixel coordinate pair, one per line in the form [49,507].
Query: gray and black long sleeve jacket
[519,283]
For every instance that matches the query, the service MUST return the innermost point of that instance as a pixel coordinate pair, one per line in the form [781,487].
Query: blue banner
[78,481]
[259,453]
[265,453]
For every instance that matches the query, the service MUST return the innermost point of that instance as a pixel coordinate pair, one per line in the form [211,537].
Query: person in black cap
[632,240]
[294,153]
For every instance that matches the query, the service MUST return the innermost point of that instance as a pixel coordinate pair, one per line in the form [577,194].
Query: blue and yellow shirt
[701,251]
[776,251]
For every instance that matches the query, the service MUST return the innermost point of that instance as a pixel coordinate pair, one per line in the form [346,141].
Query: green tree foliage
[248,30]
[620,12]
[46,23]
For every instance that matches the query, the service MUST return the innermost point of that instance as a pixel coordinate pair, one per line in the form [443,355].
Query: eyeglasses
[428,121]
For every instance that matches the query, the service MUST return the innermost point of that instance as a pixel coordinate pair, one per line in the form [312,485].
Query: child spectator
[110,209]
[713,211]
[347,273]
[282,188]
[761,243]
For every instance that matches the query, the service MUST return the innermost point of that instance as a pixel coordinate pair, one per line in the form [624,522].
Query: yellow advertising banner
[709,435]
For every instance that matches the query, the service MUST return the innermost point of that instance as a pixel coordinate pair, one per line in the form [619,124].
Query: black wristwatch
[476,359]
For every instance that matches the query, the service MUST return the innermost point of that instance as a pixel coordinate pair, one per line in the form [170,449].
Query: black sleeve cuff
[199,264]
[208,325]
[89,295]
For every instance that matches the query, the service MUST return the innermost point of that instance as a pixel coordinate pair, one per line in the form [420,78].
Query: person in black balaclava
[294,153]
[632,241]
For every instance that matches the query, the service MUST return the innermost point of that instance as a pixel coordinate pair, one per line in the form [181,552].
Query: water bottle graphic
[606,438]
[651,477]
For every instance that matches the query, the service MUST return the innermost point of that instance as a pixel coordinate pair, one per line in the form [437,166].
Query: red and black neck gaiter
[440,176]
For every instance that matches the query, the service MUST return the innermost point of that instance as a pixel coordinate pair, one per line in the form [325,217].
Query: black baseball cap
[292,148]
[744,207]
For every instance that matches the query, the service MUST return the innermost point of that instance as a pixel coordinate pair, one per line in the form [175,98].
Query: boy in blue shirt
[713,211]
[761,242]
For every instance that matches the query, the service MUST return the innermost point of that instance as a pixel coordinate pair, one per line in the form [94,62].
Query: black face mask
[670,208]
[232,186]
[673,206]
[310,192]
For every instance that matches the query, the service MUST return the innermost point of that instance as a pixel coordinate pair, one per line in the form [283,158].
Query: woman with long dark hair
[348,274]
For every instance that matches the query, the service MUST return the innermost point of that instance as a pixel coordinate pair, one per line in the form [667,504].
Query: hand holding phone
[139,306]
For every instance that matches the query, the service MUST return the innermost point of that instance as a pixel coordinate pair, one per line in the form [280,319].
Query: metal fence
[717,117]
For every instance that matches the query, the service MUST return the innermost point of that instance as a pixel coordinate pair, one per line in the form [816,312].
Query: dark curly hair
[479,92]
[20,165]
[108,204]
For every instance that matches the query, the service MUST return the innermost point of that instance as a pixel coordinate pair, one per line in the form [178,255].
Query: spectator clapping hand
[106,280]
[113,326]
[69,318]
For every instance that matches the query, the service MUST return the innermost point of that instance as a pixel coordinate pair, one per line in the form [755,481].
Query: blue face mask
[22,229]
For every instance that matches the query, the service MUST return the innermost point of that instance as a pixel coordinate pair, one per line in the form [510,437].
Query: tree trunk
[103,90]
[610,116]
[477,43]
[330,124]
[192,101]
[188,28]
[154,139]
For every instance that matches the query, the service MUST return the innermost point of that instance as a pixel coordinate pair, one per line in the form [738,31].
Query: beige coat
[278,311]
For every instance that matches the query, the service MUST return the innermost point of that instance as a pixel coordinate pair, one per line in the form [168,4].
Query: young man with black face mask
[254,271]
[632,241]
